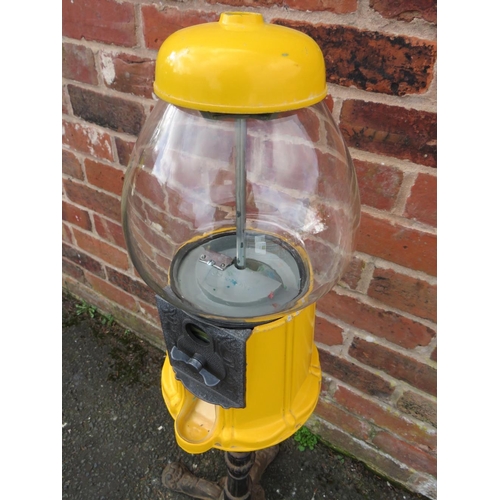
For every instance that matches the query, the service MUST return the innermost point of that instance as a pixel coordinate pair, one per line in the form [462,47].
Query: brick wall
[376,331]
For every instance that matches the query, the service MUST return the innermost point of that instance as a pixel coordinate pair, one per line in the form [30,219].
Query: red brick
[406,10]
[109,230]
[327,333]
[419,407]
[353,273]
[76,216]
[407,134]
[352,374]
[422,202]
[404,292]
[104,176]
[101,249]
[395,364]
[131,74]
[113,293]
[105,21]
[66,110]
[342,419]
[386,418]
[390,241]
[124,149]
[337,6]
[376,460]
[100,202]
[378,184]
[158,25]
[71,165]
[385,324]
[87,139]
[434,355]
[131,286]
[67,236]
[406,453]
[371,60]
[78,64]
[151,311]
[108,111]
[83,260]
[70,269]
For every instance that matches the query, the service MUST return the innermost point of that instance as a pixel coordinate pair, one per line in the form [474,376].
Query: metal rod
[241,191]
[238,485]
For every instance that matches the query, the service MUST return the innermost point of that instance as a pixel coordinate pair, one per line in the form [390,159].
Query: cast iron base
[244,471]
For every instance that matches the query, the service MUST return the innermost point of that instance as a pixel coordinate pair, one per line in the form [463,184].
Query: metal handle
[209,379]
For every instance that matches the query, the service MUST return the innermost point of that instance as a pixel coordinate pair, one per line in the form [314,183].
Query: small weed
[84,308]
[305,439]
[107,319]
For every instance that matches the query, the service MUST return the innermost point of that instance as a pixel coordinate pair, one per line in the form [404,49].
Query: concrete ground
[118,435]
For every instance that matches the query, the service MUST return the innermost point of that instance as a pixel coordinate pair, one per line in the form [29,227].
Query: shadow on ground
[118,435]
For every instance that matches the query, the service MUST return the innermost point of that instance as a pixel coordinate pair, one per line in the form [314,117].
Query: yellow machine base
[283,381]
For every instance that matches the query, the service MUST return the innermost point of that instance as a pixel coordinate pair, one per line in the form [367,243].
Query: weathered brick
[352,275]
[342,419]
[105,21]
[386,418]
[376,460]
[76,216]
[327,332]
[124,149]
[87,139]
[128,73]
[406,453]
[70,269]
[67,236]
[337,6]
[82,259]
[158,25]
[112,112]
[112,292]
[100,202]
[109,230]
[370,60]
[419,407]
[422,202]
[395,364]
[66,110]
[101,249]
[407,134]
[404,292]
[352,374]
[434,355]
[378,184]
[406,10]
[131,286]
[104,176]
[71,165]
[390,241]
[385,324]
[78,63]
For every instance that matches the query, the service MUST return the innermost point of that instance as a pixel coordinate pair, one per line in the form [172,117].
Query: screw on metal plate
[215,259]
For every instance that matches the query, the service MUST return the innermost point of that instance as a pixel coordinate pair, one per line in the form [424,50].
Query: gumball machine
[240,207]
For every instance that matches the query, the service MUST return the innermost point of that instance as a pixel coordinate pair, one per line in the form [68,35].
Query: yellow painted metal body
[283,381]
[240,65]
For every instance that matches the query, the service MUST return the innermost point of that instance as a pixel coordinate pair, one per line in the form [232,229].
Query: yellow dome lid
[240,65]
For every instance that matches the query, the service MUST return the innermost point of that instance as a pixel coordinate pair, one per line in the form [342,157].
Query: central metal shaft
[241,181]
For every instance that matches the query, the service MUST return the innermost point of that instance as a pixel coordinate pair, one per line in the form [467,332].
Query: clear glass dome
[240,218]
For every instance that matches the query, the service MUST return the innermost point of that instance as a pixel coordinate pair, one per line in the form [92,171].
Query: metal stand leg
[244,471]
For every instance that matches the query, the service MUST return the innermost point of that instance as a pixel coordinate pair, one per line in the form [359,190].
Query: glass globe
[240,219]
